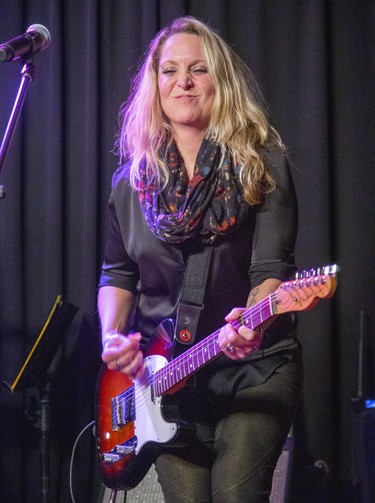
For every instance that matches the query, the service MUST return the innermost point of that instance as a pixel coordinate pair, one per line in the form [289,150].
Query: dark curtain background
[314,61]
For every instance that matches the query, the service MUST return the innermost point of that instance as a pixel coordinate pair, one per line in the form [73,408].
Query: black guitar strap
[192,295]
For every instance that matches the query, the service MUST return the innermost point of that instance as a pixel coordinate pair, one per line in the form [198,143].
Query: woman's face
[185,86]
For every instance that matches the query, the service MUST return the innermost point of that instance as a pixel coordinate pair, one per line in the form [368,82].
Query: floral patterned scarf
[209,205]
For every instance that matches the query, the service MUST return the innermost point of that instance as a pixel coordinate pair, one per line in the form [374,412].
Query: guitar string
[253,314]
[124,399]
[256,315]
[184,359]
[129,394]
[212,338]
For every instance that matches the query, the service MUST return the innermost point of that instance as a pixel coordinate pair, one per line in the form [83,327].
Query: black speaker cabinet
[363,451]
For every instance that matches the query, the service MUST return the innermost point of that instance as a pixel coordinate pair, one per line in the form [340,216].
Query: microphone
[37,38]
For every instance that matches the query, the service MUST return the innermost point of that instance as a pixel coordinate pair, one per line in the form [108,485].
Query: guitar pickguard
[150,425]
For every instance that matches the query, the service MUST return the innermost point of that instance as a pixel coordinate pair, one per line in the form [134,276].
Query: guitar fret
[161,381]
[179,372]
[171,380]
[166,381]
[203,355]
[186,368]
[206,355]
[184,373]
[158,391]
[191,363]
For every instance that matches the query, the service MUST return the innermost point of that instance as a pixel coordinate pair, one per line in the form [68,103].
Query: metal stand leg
[113,496]
[45,458]
[39,414]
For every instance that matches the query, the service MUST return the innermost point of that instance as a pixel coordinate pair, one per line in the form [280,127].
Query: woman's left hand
[238,344]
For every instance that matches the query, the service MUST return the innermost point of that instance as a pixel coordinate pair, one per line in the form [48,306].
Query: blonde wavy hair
[237,123]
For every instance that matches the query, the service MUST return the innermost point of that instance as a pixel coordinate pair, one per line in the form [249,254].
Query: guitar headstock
[304,292]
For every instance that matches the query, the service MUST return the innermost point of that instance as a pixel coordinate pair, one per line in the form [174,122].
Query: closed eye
[168,71]
[196,71]
[199,71]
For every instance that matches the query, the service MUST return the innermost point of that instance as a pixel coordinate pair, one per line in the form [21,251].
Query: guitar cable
[92,423]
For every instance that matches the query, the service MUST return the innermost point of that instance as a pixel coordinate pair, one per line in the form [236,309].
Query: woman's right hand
[122,353]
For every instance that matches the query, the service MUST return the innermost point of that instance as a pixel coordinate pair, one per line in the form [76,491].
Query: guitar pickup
[123,409]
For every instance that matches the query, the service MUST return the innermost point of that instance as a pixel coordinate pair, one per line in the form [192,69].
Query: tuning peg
[334,269]
[300,275]
[328,270]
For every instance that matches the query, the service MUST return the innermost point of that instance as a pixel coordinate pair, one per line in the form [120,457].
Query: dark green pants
[233,459]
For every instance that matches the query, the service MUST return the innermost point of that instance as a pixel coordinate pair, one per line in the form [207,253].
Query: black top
[262,247]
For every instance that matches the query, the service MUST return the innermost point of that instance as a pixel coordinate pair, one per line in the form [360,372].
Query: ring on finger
[118,365]
[229,347]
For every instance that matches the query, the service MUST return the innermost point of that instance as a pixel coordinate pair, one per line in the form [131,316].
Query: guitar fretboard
[206,350]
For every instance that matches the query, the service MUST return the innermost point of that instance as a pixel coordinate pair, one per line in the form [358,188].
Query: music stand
[38,370]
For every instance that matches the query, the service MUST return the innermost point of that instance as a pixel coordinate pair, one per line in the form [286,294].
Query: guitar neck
[206,350]
[298,295]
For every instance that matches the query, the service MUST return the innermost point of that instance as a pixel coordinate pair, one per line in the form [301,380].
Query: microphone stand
[27,74]
[39,415]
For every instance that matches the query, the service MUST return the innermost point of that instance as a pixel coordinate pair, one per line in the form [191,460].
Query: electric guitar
[131,426]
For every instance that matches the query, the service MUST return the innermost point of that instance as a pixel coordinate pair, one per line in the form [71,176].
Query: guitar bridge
[120,451]
[127,447]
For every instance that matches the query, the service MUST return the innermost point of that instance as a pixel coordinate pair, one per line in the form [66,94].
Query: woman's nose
[185,82]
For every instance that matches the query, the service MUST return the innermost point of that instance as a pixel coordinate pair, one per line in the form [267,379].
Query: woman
[205,169]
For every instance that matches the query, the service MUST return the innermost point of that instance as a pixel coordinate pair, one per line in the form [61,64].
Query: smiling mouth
[181,96]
